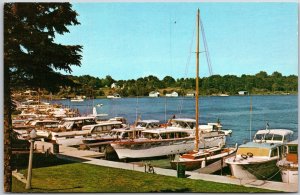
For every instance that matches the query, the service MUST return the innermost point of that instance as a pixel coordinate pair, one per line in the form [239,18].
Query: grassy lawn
[79,177]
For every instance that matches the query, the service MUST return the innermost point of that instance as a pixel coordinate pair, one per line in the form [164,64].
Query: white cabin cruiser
[147,124]
[257,159]
[154,143]
[87,133]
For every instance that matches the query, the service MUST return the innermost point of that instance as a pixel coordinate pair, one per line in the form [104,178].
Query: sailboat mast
[197,84]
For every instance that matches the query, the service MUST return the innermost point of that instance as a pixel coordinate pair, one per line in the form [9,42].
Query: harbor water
[234,112]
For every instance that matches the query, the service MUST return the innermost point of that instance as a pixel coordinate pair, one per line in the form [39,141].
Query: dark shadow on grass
[20,161]
[55,190]
[174,190]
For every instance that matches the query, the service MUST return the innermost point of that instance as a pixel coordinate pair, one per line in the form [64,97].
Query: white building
[243,93]
[190,94]
[173,94]
[114,86]
[154,94]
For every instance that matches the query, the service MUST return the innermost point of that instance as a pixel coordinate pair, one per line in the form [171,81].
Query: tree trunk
[7,131]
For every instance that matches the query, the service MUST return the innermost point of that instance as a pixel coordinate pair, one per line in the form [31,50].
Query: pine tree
[32,58]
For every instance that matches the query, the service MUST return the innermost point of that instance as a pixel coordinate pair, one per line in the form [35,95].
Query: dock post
[222,166]
[55,148]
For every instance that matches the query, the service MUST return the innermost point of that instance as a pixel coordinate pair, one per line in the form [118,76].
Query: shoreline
[104,97]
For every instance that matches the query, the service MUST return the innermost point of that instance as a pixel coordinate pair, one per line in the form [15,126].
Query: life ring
[250,154]
[244,156]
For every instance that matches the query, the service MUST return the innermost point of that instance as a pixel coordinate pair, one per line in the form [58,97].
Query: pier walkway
[88,157]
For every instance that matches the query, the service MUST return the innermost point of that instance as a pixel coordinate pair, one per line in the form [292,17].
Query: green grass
[79,177]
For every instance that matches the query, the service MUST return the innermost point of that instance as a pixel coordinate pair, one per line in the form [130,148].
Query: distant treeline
[260,83]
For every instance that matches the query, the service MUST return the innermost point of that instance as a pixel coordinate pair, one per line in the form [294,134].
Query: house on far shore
[243,92]
[173,94]
[190,94]
[114,86]
[154,94]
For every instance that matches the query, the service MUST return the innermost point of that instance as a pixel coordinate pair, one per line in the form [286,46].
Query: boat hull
[262,170]
[153,149]
[95,141]
[204,161]
[289,175]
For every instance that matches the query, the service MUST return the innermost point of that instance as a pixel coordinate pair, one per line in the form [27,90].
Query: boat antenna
[136,107]
[165,109]
[267,126]
[197,84]
[250,125]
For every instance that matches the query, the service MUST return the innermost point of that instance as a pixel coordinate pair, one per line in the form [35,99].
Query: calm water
[233,111]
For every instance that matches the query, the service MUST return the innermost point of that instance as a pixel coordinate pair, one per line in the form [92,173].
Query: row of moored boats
[270,151]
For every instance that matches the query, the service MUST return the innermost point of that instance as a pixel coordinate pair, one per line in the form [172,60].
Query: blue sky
[132,40]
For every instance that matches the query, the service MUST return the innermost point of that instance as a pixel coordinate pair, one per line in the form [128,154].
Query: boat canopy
[148,121]
[275,131]
[190,120]
[273,135]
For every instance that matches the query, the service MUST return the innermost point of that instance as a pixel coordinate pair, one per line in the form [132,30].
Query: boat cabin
[102,128]
[157,134]
[76,123]
[292,151]
[253,149]
[44,123]
[119,118]
[126,133]
[185,123]
[147,124]
[273,136]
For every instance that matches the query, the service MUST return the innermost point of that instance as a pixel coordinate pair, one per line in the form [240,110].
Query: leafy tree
[276,74]
[108,81]
[31,57]
[168,81]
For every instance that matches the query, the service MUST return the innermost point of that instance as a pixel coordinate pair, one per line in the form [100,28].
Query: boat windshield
[277,137]
[152,125]
[259,137]
[268,137]
[183,124]
[141,124]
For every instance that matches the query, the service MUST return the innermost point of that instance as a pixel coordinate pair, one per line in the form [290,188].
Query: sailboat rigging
[197,85]
[198,158]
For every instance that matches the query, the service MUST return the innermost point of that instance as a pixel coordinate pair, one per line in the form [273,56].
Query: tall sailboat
[198,158]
